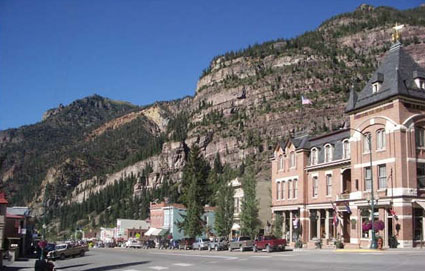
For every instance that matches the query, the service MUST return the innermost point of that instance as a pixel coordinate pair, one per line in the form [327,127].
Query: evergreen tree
[250,223]
[277,226]
[194,192]
[224,211]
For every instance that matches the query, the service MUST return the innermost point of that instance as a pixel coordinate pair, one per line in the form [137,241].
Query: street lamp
[372,199]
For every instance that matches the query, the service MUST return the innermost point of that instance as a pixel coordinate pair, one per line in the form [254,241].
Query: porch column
[318,222]
[327,224]
[290,226]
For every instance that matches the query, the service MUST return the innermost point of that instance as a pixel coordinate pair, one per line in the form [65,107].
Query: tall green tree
[225,209]
[195,192]
[277,226]
[250,223]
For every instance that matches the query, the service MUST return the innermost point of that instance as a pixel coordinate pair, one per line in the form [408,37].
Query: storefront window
[418,215]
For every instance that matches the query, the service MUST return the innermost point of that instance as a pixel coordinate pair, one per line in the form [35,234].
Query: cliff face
[245,103]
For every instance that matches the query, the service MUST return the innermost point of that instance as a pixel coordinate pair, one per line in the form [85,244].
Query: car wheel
[254,248]
[283,248]
[268,250]
[62,257]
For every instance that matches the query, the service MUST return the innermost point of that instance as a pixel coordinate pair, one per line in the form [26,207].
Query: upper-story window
[380,139]
[368,178]
[289,189]
[315,186]
[366,146]
[420,136]
[328,153]
[280,162]
[382,176]
[282,188]
[328,185]
[292,159]
[278,190]
[295,183]
[314,156]
[420,174]
[346,149]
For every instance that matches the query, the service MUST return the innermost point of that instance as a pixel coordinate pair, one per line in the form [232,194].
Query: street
[154,259]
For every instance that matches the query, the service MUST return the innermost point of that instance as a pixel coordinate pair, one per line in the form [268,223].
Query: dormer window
[328,153]
[376,87]
[419,78]
[377,80]
[345,149]
[314,156]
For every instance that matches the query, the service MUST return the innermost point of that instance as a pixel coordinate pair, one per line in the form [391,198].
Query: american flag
[305,100]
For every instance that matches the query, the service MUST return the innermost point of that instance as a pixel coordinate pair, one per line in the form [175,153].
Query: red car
[269,243]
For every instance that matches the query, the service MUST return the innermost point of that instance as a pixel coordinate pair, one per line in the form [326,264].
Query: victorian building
[322,185]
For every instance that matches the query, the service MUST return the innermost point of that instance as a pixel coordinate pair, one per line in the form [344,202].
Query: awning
[151,231]
[236,227]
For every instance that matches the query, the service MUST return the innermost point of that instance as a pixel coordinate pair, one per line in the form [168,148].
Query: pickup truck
[269,243]
[65,250]
[242,243]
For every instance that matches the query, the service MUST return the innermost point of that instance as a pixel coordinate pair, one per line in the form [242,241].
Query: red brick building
[321,185]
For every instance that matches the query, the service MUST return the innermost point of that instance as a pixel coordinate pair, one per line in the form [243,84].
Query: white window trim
[314,151]
[326,176]
[344,155]
[382,132]
[326,159]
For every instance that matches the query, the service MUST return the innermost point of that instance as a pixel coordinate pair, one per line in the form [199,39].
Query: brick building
[321,185]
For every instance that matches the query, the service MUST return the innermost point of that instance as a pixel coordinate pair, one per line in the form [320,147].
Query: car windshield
[205,240]
[61,246]
[244,238]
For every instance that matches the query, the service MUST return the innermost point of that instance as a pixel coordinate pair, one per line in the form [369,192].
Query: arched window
[314,156]
[289,189]
[328,153]
[380,139]
[281,162]
[292,157]
[366,139]
[346,149]
[420,136]
[278,190]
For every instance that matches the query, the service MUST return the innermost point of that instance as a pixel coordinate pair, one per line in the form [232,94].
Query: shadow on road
[116,266]
[71,266]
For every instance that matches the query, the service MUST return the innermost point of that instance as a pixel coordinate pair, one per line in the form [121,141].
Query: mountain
[245,102]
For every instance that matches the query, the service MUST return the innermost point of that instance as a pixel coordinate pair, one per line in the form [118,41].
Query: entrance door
[346,227]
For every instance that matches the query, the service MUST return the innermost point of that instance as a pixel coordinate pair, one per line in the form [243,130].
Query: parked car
[242,243]
[186,243]
[269,243]
[133,244]
[65,250]
[218,243]
[201,243]
[164,244]
[174,244]
[148,244]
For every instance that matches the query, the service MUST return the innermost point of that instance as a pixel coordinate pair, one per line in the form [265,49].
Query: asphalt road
[139,259]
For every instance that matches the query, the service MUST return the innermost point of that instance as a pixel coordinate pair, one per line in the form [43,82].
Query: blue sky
[143,51]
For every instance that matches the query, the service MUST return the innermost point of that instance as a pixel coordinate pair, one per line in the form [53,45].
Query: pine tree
[277,226]
[250,223]
[224,211]
[194,192]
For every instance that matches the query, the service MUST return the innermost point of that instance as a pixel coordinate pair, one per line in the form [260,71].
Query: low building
[3,205]
[108,235]
[19,230]
[165,219]
[128,228]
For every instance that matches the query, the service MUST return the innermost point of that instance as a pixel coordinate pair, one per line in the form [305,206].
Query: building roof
[18,211]
[396,73]
[132,223]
